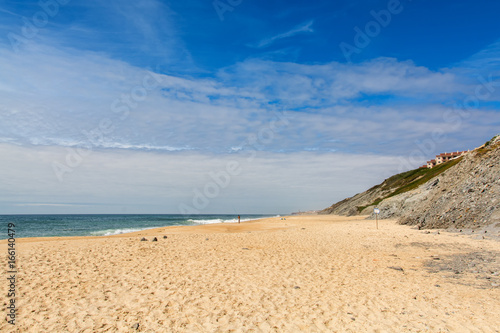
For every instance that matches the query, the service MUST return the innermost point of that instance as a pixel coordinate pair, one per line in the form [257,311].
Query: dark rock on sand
[397,268]
[482,265]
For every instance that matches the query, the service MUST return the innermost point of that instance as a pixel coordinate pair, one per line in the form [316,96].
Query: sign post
[376,211]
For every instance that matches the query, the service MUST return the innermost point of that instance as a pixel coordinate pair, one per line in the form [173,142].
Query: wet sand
[303,274]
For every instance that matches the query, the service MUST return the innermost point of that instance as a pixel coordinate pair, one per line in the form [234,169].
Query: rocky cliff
[464,193]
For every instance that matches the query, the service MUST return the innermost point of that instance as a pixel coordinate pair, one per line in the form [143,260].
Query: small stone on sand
[397,268]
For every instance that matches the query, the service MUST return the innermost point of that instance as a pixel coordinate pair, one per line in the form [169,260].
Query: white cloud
[317,85]
[389,76]
[487,59]
[45,205]
[54,96]
[304,27]
[151,182]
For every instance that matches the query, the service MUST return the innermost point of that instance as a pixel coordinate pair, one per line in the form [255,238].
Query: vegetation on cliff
[464,192]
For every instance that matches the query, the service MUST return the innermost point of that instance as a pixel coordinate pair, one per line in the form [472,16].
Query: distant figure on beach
[238,219]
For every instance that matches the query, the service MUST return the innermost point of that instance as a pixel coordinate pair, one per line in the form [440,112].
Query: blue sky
[143,107]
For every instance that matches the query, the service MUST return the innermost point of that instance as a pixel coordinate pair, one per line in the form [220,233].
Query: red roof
[452,154]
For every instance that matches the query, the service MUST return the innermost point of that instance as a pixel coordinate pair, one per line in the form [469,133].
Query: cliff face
[464,195]
[354,205]
[363,203]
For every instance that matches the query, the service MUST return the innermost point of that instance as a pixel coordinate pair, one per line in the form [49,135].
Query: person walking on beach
[238,219]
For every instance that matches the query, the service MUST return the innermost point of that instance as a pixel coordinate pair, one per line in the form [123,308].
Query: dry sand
[302,274]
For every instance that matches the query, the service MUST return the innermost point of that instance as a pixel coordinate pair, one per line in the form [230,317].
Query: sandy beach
[303,274]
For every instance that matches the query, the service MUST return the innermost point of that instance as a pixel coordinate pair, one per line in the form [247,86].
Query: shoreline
[146,231]
[492,231]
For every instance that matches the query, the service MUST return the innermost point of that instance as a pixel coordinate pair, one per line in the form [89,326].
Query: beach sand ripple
[303,274]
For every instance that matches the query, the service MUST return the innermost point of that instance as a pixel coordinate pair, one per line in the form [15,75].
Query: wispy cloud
[48,205]
[485,59]
[9,12]
[310,85]
[304,27]
[331,102]
[150,182]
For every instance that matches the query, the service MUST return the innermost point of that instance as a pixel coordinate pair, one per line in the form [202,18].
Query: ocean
[105,225]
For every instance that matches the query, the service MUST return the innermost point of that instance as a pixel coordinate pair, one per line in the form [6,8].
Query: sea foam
[110,232]
[234,220]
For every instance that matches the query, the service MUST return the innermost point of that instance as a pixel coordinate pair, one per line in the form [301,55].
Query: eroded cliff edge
[463,193]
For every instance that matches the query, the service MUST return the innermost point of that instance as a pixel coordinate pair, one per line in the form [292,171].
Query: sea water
[105,225]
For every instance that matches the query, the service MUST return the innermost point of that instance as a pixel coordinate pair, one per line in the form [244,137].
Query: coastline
[313,273]
[106,230]
[175,229]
